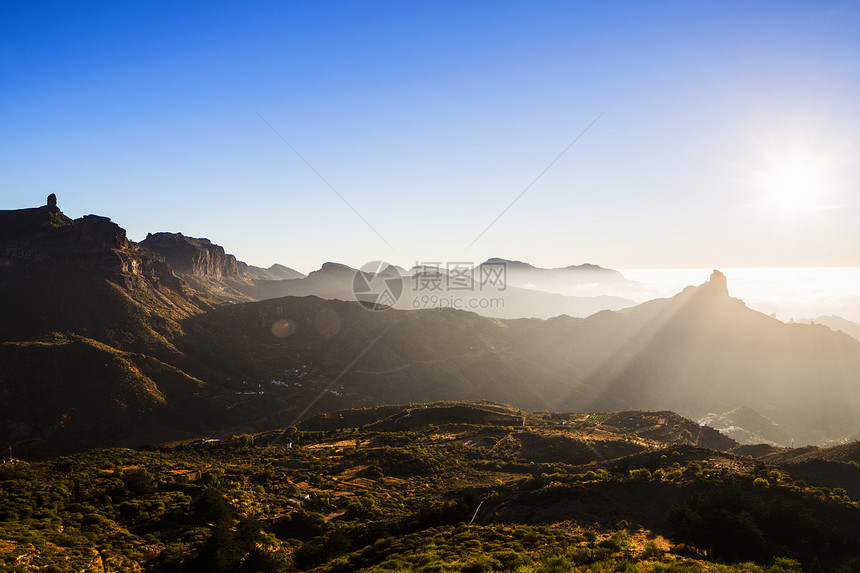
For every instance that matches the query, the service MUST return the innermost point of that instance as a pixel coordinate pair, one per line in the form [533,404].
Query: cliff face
[43,239]
[87,319]
[191,256]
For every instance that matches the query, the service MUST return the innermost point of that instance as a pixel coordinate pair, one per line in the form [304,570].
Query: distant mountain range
[105,343]
[563,280]
[835,323]
[207,267]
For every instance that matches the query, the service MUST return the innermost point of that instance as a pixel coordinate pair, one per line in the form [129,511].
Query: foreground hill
[458,490]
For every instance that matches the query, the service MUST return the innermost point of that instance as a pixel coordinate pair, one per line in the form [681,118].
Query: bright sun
[795,185]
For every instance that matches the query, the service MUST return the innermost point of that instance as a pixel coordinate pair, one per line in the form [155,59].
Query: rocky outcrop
[43,239]
[718,283]
[192,256]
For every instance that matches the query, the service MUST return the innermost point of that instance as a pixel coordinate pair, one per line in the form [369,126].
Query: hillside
[569,491]
[702,351]
[749,427]
[86,323]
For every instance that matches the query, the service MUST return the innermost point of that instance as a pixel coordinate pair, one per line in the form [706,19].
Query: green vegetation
[451,497]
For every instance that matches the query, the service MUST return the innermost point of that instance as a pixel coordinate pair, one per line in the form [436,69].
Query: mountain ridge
[82,285]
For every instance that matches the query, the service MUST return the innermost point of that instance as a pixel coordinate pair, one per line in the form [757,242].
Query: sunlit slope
[702,351]
[697,352]
[70,393]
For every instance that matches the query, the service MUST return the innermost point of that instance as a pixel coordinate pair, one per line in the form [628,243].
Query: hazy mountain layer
[563,280]
[835,323]
[519,293]
[420,291]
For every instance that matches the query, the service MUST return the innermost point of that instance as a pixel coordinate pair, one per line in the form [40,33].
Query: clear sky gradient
[730,133]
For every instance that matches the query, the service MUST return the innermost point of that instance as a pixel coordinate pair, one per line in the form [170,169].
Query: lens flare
[327,322]
[283,328]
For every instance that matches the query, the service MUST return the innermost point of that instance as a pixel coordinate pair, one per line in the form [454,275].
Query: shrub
[510,560]
[482,564]
[138,481]
[693,469]
[784,565]
[556,564]
[650,550]
[618,541]
[734,525]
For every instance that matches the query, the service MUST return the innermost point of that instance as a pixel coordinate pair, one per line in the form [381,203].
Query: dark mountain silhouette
[103,344]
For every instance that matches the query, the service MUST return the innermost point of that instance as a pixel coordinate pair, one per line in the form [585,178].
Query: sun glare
[795,186]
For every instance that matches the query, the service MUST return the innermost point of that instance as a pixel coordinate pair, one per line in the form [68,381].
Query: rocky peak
[717,283]
[193,256]
[715,290]
[43,239]
[334,268]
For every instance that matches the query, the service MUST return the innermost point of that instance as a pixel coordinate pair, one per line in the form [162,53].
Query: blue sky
[729,134]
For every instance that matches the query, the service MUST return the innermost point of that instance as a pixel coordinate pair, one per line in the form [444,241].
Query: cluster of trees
[734,525]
